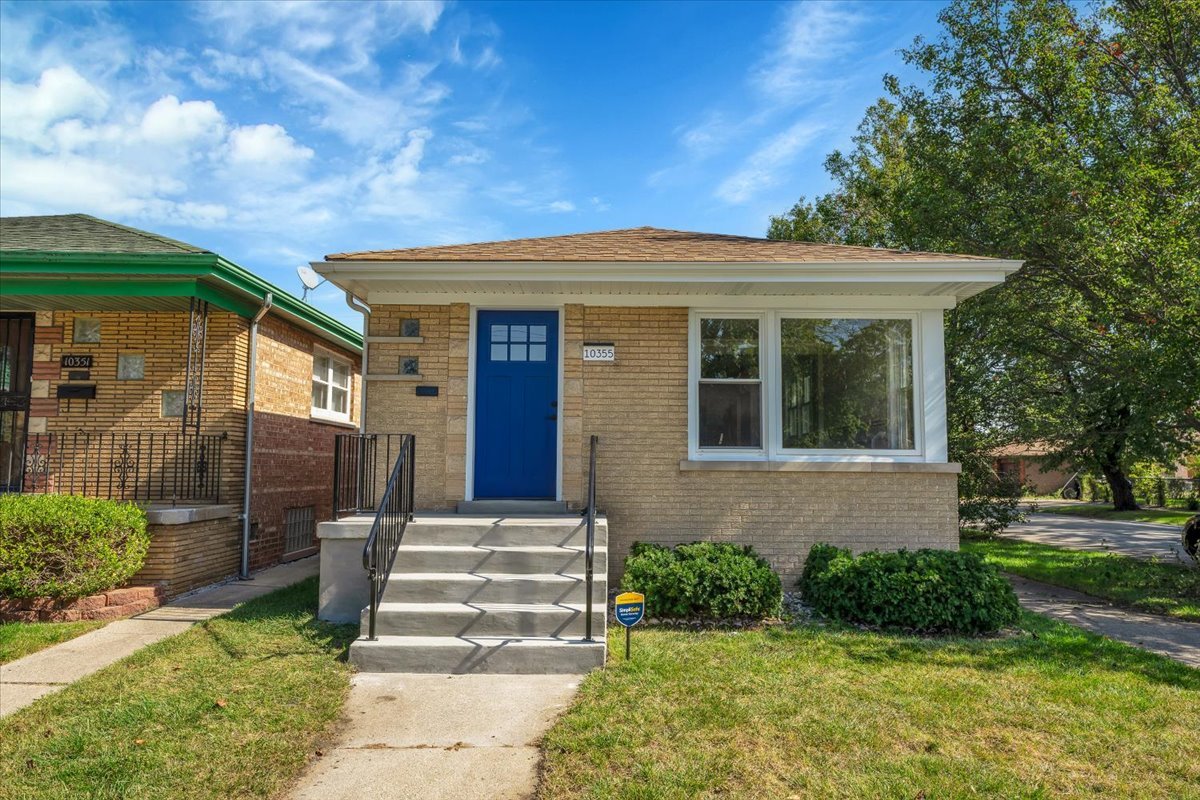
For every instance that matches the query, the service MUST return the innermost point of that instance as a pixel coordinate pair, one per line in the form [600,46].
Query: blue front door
[516,404]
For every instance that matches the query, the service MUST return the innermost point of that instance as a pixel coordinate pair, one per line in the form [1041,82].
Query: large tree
[1069,139]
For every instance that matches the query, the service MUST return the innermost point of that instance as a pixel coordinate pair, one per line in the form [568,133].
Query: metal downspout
[361,307]
[244,571]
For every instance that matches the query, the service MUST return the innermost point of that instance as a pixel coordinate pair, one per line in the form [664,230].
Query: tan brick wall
[638,406]
[188,556]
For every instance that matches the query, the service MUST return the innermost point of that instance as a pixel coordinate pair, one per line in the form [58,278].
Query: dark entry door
[16,369]
[516,404]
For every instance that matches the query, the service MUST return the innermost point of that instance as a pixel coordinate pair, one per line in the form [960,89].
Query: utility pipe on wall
[244,571]
[364,309]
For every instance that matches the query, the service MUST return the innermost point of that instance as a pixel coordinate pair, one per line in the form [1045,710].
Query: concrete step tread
[441,608]
[478,641]
[504,548]
[484,577]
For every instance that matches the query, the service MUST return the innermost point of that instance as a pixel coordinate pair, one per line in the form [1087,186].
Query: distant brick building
[125,369]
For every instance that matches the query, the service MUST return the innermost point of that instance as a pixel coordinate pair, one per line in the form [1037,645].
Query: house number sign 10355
[599,351]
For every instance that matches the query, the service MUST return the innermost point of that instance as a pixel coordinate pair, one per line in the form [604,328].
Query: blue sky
[275,133]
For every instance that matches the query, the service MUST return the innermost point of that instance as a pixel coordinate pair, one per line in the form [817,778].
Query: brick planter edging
[113,604]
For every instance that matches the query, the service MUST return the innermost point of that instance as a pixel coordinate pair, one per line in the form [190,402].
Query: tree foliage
[1069,139]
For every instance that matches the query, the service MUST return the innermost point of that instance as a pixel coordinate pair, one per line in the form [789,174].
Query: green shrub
[930,591]
[55,545]
[708,580]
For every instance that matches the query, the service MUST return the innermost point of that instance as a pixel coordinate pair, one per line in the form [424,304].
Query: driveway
[1148,540]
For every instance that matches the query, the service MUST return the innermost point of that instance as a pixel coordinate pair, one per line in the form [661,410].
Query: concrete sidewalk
[1168,637]
[435,737]
[26,679]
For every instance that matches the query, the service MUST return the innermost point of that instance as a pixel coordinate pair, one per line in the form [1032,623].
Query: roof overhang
[399,281]
[35,281]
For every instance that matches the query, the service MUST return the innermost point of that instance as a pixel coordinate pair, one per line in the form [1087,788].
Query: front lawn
[1166,516]
[1050,711]
[1156,587]
[19,639]
[230,708]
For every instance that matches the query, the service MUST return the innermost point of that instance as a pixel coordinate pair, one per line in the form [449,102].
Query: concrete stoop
[487,593]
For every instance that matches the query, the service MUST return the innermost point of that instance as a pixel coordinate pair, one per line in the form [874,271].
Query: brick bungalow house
[129,365]
[771,393]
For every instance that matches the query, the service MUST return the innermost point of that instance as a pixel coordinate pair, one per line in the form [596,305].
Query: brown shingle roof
[648,245]
[81,233]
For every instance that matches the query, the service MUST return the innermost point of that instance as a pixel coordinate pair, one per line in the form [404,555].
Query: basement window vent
[299,528]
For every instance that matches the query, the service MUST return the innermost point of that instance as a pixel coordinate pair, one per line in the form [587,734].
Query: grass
[1051,711]
[230,708]
[19,639]
[1166,516]
[1155,587]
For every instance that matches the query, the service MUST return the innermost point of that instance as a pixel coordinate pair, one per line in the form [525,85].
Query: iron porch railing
[387,531]
[590,551]
[140,466]
[361,462]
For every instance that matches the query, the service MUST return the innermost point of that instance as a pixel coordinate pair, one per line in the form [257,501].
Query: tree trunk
[1122,489]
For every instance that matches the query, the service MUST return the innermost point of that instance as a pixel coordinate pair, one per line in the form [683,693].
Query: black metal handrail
[358,461]
[141,466]
[590,551]
[387,531]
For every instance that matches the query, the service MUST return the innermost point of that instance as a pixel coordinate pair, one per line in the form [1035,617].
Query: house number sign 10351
[599,351]
[75,361]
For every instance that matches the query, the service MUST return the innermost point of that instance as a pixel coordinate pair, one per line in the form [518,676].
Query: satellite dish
[309,277]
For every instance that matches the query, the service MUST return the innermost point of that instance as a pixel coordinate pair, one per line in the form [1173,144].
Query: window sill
[387,377]
[395,339]
[339,422]
[686,465]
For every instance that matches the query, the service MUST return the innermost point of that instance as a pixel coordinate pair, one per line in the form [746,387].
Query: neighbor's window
[330,386]
[87,331]
[730,390]
[846,384]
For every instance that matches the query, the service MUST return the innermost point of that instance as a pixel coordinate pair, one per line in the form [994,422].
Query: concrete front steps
[488,593]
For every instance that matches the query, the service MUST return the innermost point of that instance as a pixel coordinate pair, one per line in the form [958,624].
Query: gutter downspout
[361,307]
[244,571]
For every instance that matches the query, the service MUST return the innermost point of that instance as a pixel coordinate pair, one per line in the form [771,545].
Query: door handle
[552,417]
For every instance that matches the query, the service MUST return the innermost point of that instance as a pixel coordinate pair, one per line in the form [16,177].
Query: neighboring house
[126,368]
[1025,463]
[769,393]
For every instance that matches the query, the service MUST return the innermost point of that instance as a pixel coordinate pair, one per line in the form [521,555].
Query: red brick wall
[293,453]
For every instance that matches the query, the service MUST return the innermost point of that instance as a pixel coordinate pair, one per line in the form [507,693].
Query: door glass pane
[517,352]
[537,352]
[729,348]
[847,384]
[731,415]
[537,333]
[499,334]
[518,333]
[499,352]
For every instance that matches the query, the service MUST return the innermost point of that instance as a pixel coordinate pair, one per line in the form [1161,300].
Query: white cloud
[561,206]
[171,122]
[762,169]
[266,146]
[812,35]
[60,92]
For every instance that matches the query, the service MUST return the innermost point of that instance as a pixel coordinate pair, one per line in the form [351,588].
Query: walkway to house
[26,679]
[1171,638]
[1149,540]
[457,737]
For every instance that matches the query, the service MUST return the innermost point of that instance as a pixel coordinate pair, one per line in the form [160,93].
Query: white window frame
[694,379]
[928,387]
[325,413]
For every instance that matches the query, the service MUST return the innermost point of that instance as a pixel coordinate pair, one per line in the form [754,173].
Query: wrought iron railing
[590,551]
[387,531]
[141,466]
[360,463]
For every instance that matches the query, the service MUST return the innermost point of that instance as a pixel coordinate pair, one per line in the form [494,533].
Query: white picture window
[330,387]
[783,385]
